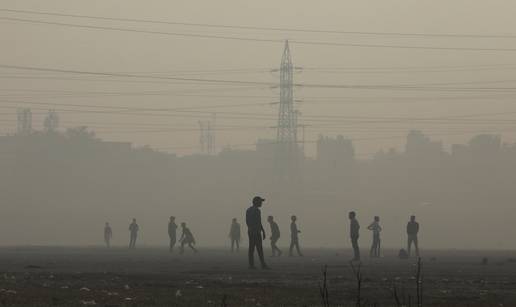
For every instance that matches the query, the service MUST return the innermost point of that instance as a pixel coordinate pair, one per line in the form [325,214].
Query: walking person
[172,233]
[255,231]
[108,234]
[235,235]
[375,228]
[412,231]
[294,237]
[187,238]
[354,228]
[275,235]
[133,229]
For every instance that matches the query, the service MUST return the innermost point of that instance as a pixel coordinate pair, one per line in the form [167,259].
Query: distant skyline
[373,85]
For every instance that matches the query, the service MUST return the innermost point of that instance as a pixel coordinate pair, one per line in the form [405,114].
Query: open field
[45,276]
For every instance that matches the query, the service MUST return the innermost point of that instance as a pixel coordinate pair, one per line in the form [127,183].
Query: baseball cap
[258,199]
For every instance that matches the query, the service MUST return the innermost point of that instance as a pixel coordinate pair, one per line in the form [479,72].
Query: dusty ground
[43,276]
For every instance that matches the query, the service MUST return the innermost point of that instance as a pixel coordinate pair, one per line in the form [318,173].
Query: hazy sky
[473,85]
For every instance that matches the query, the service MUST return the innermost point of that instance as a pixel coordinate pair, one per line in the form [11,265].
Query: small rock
[89,303]
[32,266]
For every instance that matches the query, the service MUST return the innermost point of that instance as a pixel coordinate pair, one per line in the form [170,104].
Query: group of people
[186,238]
[235,235]
[256,234]
[412,232]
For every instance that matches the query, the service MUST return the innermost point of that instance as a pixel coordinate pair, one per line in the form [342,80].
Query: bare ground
[52,276]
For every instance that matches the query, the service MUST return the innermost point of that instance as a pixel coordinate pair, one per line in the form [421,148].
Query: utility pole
[24,121]
[213,149]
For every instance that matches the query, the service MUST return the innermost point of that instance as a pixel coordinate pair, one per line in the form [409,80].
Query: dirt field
[41,276]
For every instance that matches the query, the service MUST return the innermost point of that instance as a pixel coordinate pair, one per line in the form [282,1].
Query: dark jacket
[275,231]
[412,228]
[172,228]
[354,227]
[253,219]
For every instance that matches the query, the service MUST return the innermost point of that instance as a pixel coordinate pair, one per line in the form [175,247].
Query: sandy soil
[52,276]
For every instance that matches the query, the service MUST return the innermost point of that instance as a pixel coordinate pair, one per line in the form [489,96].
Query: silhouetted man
[375,228]
[187,238]
[234,235]
[294,237]
[354,228]
[275,235]
[172,230]
[108,234]
[133,229]
[255,231]
[412,230]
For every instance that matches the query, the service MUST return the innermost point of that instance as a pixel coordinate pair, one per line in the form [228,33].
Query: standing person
[133,229]
[294,237]
[275,235]
[375,228]
[354,228]
[412,231]
[187,238]
[172,229]
[255,231]
[234,235]
[108,234]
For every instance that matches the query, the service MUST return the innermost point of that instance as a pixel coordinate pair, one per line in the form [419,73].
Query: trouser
[356,249]
[412,239]
[375,247]
[107,239]
[274,247]
[132,241]
[172,242]
[294,242]
[235,243]
[255,242]
[190,244]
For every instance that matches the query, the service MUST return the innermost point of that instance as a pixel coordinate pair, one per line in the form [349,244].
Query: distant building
[484,147]
[335,152]
[420,147]
[265,148]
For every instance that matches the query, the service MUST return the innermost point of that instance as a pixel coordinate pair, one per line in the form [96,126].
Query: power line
[454,35]
[299,42]
[82,72]
[351,120]
[308,85]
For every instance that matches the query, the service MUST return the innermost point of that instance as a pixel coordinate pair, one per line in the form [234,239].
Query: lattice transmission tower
[24,116]
[51,122]
[287,126]
[207,136]
[286,138]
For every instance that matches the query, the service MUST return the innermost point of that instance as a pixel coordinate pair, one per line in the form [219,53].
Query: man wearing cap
[253,218]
